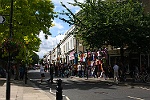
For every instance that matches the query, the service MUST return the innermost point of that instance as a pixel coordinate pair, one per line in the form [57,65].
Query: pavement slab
[21,91]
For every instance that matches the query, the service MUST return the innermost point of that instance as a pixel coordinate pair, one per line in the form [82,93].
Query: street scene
[75,88]
[75,50]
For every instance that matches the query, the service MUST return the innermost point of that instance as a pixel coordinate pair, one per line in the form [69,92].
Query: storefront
[130,59]
[114,56]
[145,60]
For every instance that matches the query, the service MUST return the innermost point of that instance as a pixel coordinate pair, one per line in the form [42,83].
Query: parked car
[2,72]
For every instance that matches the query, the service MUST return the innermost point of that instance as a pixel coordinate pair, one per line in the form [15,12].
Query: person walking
[116,69]
[21,72]
[96,67]
[103,75]
[110,71]
[42,71]
[51,73]
[79,70]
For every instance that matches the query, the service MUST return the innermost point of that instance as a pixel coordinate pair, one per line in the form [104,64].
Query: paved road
[79,89]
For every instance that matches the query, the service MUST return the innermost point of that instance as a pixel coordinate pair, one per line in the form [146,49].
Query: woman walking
[42,71]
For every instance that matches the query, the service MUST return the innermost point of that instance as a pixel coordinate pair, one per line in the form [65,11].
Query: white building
[67,46]
[64,51]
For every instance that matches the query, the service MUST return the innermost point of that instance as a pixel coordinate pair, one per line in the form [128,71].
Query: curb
[49,94]
[127,83]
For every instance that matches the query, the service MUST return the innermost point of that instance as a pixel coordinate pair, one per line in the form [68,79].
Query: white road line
[136,98]
[50,90]
[67,98]
[144,88]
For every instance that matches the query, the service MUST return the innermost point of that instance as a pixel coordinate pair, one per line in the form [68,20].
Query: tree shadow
[2,81]
[71,84]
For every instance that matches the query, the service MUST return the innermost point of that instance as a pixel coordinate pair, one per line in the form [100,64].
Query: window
[71,44]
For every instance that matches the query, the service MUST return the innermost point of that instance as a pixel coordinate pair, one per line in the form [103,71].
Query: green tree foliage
[35,59]
[30,17]
[121,24]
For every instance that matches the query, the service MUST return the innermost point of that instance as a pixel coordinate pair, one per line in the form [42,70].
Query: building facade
[69,47]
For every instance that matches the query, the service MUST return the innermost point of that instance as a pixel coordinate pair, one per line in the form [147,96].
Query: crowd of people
[18,71]
[95,69]
[82,70]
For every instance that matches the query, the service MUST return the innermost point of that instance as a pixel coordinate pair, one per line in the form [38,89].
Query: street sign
[2,19]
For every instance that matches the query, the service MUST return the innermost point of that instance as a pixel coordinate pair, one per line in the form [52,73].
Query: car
[2,72]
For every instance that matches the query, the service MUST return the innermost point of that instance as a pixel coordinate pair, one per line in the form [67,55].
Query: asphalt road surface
[80,89]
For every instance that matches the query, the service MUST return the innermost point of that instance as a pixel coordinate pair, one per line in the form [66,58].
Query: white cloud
[57,2]
[59,28]
[48,44]
[58,25]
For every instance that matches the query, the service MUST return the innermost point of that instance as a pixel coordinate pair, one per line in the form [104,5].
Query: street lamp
[26,64]
[49,57]
[8,69]
[87,64]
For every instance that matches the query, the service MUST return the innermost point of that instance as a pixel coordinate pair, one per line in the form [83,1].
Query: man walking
[42,72]
[51,73]
[116,69]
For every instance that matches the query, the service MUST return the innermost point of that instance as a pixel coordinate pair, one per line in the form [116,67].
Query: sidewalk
[22,91]
[128,81]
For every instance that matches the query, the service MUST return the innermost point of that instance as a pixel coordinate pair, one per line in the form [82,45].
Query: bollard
[59,90]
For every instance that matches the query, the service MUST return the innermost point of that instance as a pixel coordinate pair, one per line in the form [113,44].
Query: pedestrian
[12,70]
[116,69]
[42,71]
[67,72]
[21,72]
[83,70]
[96,67]
[79,69]
[110,71]
[103,75]
[46,67]
[122,71]
[51,72]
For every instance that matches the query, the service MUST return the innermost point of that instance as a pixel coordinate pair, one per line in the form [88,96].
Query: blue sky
[58,30]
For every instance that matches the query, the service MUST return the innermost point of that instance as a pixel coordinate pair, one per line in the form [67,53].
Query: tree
[30,17]
[35,59]
[122,24]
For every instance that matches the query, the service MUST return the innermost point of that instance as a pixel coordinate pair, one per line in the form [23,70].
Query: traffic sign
[2,19]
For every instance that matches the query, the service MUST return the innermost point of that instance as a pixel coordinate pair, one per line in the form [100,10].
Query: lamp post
[87,58]
[26,64]
[49,58]
[8,69]
[87,64]
[50,68]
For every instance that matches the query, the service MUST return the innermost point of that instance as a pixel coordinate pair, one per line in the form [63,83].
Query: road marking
[136,98]
[144,88]
[109,84]
[80,83]
[67,98]
[51,91]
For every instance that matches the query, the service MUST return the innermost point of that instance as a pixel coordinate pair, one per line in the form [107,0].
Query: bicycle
[137,77]
[142,77]
[146,77]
